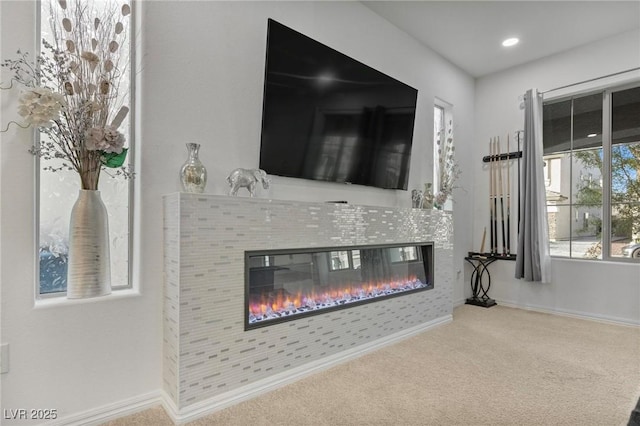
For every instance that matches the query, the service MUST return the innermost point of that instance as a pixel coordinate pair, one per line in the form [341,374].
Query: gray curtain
[375,265]
[533,262]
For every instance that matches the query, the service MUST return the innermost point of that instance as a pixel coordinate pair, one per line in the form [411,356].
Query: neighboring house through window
[592,167]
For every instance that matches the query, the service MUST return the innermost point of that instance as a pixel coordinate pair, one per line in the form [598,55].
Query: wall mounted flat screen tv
[328,117]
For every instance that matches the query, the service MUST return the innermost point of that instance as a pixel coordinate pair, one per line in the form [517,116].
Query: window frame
[347,266]
[442,107]
[607,177]
[351,264]
[446,117]
[131,161]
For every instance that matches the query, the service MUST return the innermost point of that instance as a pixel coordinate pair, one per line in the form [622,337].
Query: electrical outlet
[4,358]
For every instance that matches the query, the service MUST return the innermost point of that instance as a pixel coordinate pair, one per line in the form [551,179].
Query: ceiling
[469,33]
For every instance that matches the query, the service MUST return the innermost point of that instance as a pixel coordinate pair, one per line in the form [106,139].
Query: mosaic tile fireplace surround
[209,357]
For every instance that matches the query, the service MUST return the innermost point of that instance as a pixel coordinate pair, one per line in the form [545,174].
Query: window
[340,260]
[592,160]
[57,191]
[445,168]
[350,259]
[438,129]
[404,254]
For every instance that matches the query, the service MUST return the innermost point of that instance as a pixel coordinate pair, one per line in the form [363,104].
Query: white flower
[94,137]
[441,198]
[39,106]
[113,139]
[107,139]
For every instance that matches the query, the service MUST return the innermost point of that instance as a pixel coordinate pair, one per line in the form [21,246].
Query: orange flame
[281,302]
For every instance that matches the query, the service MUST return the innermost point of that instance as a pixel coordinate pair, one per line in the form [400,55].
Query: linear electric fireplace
[283,285]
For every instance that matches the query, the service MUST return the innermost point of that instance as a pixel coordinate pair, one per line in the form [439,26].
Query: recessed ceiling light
[592,135]
[510,42]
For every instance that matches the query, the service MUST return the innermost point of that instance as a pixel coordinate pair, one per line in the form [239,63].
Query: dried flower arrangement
[71,91]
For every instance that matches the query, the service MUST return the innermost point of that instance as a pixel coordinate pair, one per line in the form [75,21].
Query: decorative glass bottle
[193,174]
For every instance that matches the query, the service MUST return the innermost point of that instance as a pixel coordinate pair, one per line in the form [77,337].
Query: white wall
[70,357]
[596,289]
[221,76]
[200,80]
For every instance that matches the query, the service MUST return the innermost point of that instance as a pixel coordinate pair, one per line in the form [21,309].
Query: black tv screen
[331,118]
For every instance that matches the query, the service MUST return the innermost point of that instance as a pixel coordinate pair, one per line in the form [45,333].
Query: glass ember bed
[281,285]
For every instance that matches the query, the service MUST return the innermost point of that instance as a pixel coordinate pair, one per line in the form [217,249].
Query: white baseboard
[112,411]
[569,313]
[211,405]
[459,302]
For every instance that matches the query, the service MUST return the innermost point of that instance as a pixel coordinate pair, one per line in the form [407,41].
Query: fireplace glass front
[282,285]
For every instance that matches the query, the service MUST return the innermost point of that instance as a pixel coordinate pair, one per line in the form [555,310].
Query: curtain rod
[590,80]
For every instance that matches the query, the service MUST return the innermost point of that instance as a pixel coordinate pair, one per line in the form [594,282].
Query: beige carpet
[496,366]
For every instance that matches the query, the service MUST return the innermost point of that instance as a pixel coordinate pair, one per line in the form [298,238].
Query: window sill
[615,261]
[52,302]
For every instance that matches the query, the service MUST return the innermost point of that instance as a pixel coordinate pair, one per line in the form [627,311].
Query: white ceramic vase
[89,269]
